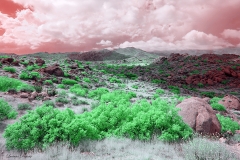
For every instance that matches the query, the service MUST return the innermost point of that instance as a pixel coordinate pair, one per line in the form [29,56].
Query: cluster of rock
[213,77]
[199,115]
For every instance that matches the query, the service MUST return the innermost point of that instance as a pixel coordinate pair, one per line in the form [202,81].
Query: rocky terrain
[200,77]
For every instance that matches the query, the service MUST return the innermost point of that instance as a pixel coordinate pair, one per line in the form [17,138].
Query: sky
[29,26]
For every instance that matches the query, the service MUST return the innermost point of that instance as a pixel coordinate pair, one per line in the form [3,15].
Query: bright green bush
[33,67]
[25,88]
[78,90]
[114,80]
[97,93]
[215,105]
[215,100]
[9,69]
[61,86]
[160,91]
[158,81]
[7,83]
[25,75]
[218,107]
[115,115]
[227,124]
[38,128]
[208,94]
[69,81]
[135,86]
[6,110]
[86,80]
[48,82]
[174,89]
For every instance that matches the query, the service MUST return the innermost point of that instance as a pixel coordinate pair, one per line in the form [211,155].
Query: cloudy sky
[28,26]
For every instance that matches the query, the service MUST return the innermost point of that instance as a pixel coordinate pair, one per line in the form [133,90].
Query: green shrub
[86,80]
[114,80]
[62,94]
[135,86]
[61,86]
[215,100]
[48,82]
[131,76]
[49,103]
[9,69]
[6,111]
[227,124]
[78,90]
[97,93]
[174,89]
[52,91]
[200,85]
[62,100]
[204,149]
[25,88]
[218,107]
[38,88]
[33,67]
[7,83]
[76,102]
[160,91]
[66,74]
[157,81]
[32,75]
[208,94]
[23,106]
[115,115]
[24,75]
[69,81]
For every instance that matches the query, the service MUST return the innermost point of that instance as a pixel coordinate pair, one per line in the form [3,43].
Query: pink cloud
[62,25]
[230,33]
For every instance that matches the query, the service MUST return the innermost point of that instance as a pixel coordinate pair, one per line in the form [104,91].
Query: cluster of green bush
[25,75]
[67,81]
[7,83]
[174,89]
[79,90]
[6,111]
[115,116]
[215,105]
[33,67]
[9,69]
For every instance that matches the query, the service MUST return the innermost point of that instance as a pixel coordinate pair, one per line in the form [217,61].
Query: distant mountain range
[138,53]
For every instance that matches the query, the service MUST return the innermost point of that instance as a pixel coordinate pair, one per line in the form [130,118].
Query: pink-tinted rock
[199,115]
[24,95]
[54,70]
[230,102]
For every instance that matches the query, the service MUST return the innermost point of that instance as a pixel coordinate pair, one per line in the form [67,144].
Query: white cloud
[231,33]
[158,24]
[105,43]
[192,40]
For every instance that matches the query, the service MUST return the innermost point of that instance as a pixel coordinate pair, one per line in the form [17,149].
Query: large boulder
[199,115]
[230,102]
[54,70]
